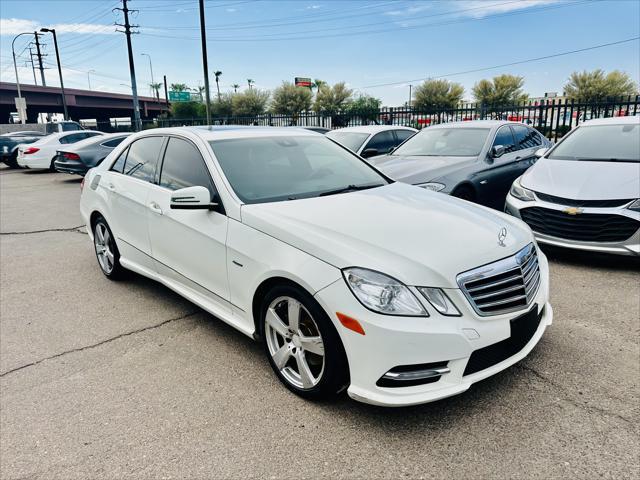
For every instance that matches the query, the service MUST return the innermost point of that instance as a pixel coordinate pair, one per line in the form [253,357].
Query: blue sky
[362,42]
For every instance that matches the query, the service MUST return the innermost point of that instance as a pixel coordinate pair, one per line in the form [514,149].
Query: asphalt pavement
[103,379]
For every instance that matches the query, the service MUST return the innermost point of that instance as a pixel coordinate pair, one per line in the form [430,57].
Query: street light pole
[89,77]
[55,43]
[15,67]
[153,82]
[205,66]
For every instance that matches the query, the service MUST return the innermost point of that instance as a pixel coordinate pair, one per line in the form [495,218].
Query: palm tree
[217,74]
[235,87]
[179,87]
[156,88]
[250,82]
[200,90]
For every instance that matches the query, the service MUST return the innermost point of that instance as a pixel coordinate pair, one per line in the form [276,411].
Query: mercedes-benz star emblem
[502,235]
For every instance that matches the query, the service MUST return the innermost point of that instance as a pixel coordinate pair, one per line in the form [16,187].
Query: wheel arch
[465,185]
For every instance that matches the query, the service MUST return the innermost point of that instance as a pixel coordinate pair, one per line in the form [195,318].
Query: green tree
[156,88]
[438,95]
[223,105]
[186,109]
[502,90]
[291,100]
[235,87]
[596,86]
[200,91]
[218,74]
[250,102]
[365,107]
[331,100]
[250,82]
[179,87]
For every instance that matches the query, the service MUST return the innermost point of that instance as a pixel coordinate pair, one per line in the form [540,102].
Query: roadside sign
[21,106]
[179,96]
[303,82]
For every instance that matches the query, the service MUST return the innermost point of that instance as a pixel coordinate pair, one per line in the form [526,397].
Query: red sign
[303,82]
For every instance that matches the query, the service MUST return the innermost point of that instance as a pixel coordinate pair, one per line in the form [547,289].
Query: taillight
[82,184]
[71,156]
[31,150]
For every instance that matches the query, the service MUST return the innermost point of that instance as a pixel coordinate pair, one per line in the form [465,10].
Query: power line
[561,54]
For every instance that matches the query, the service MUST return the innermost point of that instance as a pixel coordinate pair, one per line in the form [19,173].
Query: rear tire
[52,167]
[302,344]
[106,250]
[12,161]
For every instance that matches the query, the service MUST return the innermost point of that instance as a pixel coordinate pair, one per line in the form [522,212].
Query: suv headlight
[635,206]
[520,192]
[433,186]
[382,294]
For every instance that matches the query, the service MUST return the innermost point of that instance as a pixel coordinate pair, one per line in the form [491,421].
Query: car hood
[419,237]
[418,169]
[579,180]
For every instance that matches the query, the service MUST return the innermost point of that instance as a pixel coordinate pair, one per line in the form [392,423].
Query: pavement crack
[29,232]
[88,347]
[582,405]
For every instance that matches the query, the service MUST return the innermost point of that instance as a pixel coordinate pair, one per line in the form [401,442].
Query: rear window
[600,143]
[352,140]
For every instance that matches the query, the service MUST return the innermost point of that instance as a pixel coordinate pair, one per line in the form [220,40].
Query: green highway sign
[179,96]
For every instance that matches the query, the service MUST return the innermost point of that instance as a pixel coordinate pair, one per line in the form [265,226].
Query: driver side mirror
[369,152]
[541,151]
[497,151]
[192,198]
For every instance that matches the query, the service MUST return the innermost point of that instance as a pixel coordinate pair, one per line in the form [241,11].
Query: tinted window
[183,167]
[445,142]
[383,142]
[525,137]
[91,134]
[402,135]
[143,157]
[114,142]
[351,140]
[68,127]
[504,137]
[600,142]
[73,138]
[118,165]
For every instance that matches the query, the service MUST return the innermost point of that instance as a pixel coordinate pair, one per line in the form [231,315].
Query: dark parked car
[9,145]
[477,161]
[79,157]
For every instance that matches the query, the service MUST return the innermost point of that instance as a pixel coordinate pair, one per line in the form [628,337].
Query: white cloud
[408,11]
[474,8]
[231,10]
[313,7]
[13,26]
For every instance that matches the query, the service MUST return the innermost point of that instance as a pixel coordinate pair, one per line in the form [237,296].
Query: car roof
[373,128]
[476,124]
[225,132]
[632,120]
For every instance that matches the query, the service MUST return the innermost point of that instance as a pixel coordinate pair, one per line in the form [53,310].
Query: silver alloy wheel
[294,342]
[102,242]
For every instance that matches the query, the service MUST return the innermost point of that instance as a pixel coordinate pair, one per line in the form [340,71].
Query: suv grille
[504,286]
[582,203]
[586,227]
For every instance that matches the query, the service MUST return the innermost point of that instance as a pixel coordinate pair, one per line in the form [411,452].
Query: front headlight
[520,192]
[635,206]
[382,294]
[440,301]
[433,186]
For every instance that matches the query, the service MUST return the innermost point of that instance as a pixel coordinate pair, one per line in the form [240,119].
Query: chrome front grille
[504,286]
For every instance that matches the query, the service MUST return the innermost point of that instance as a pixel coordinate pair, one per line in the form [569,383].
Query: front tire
[302,345]
[106,250]
[465,193]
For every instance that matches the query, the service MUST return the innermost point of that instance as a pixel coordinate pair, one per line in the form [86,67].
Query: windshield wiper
[349,188]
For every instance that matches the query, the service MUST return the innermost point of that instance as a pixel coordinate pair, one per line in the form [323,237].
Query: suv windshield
[445,142]
[268,169]
[615,143]
[352,140]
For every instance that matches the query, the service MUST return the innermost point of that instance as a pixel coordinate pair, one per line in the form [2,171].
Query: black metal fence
[552,117]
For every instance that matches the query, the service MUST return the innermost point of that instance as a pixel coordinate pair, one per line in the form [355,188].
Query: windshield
[268,169]
[352,140]
[445,142]
[619,143]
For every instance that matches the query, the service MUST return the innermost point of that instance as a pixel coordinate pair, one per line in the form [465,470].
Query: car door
[494,181]
[381,143]
[128,183]
[189,246]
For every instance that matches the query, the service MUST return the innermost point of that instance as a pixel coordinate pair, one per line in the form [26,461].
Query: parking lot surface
[103,379]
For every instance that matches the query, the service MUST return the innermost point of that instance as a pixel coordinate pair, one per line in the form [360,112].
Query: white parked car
[350,280]
[584,193]
[41,154]
[371,140]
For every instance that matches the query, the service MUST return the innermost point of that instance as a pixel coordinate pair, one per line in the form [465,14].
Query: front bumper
[391,341]
[630,246]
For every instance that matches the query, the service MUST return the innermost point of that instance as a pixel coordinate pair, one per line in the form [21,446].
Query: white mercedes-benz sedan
[584,193]
[400,295]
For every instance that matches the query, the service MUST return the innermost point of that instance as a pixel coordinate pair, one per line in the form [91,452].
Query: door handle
[155,208]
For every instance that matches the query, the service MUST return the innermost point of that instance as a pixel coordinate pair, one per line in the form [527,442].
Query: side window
[504,137]
[73,138]
[113,143]
[525,137]
[402,135]
[91,134]
[118,165]
[383,142]
[143,157]
[184,166]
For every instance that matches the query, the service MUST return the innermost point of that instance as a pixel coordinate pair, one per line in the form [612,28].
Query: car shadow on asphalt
[601,261]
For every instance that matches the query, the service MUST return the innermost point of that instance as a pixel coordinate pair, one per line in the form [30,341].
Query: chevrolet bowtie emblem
[572,211]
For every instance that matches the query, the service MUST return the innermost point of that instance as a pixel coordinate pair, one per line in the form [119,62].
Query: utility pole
[166,93]
[37,35]
[410,97]
[33,67]
[55,43]
[132,69]
[205,67]
[154,92]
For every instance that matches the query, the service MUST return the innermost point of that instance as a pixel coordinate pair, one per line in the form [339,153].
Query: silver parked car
[79,157]
[371,140]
